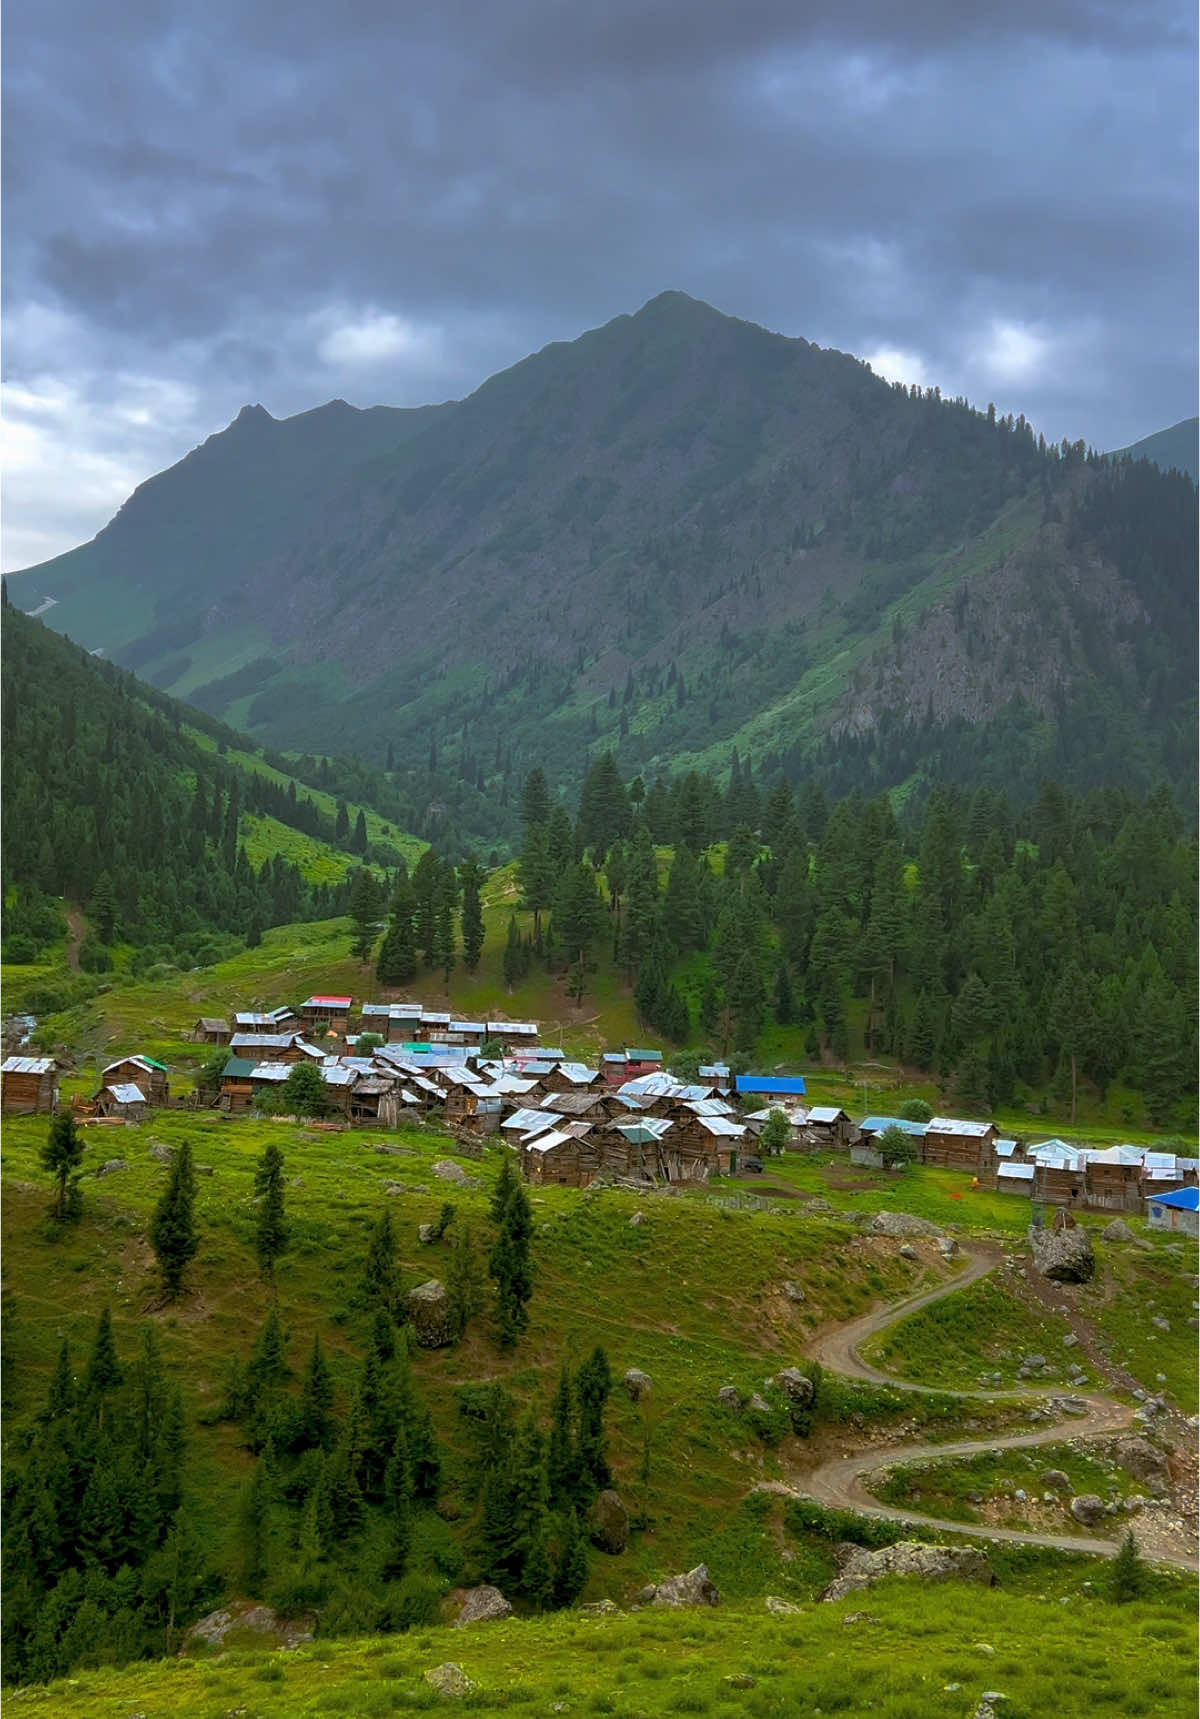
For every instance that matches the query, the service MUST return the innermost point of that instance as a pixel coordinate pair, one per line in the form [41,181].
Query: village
[627,1119]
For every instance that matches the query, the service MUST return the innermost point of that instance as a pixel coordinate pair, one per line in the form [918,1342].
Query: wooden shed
[237,1089]
[960,1145]
[122,1099]
[211,1030]
[142,1072]
[827,1125]
[559,1158]
[28,1085]
[323,1014]
[267,1047]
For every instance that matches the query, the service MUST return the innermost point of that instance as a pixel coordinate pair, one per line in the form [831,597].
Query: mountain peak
[253,415]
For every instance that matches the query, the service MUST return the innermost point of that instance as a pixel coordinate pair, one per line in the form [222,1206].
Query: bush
[411,1603]
[20,950]
[915,1110]
[896,1148]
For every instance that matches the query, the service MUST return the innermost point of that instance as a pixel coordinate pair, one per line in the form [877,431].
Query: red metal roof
[340,1002]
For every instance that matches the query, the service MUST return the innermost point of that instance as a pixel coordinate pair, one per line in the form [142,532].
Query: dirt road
[840,1482]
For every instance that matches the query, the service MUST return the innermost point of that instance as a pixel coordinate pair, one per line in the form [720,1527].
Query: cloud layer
[209,206]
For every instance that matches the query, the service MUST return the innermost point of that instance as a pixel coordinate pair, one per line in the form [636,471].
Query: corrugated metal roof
[547,1142]
[1183,1199]
[213,1024]
[238,1068]
[327,1003]
[251,1018]
[643,1056]
[825,1113]
[717,1070]
[954,1125]
[530,1121]
[721,1126]
[263,1041]
[1004,1148]
[646,1132]
[127,1093]
[1017,1172]
[273,1071]
[789,1085]
[339,1076]
[578,1073]
[877,1124]
[27,1065]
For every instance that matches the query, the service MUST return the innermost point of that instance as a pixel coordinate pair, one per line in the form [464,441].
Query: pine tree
[381,1273]
[253,1516]
[271,1228]
[509,1265]
[315,1428]
[514,954]
[571,1571]
[398,1492]
[593,1385]
[397,964]
[104,1371]
[104,907]
[562,1462]
[470,877]
[1127,1577]
[173,1226]
[365,908]
[464,1282]
[358,841]
[62,1154]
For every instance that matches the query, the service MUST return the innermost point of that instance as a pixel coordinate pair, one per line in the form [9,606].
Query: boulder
[910,1558]
[902,1224]
[782,1608]
[425,1234]
[695,1588]
[1088,1509]
[1056,1480]
[164,1154]
[1070,1340]
[793,1292]
[759,1405]
[638,1384]
[797,1386]
[429,1311]
[449,1171]
[255,1620]
[608,1523]
[908,1251]
[1137,1456]
[1159,1323]
[729,1397]
[947,1247]
[599,1609]
[637,1219]
[482,1605]
[1064,1256]
[1117,1231]
[393,1188]
[449,1679]
[111,1168]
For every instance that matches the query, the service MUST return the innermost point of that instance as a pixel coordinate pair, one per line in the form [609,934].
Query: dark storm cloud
[209,205]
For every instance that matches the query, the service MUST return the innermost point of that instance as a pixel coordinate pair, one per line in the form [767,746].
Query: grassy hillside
[907,1660]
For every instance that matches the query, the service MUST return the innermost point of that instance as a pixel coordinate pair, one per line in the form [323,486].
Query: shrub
[916,1110]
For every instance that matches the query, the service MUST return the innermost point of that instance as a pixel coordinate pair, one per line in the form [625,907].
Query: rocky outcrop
[608,1523]
[797,1387]
[449,1171]
[902,1224]
[782,1608]
[1088,1509]
[429,1313]
[449,1679]
[249,1618]
[693,1589]
[1065,1256]
[910,1558]
[482,1605]
[1137,1456]
[638,1384]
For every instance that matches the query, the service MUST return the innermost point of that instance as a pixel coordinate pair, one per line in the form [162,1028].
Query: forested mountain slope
[677,534]
[1173,449]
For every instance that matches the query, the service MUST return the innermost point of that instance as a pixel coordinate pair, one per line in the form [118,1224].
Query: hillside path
[840,1481]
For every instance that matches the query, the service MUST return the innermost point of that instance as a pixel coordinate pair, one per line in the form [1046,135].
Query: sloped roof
[530,1121]
[877,1124]
[826,1113]
[954,1125]
[788,1085]
[327,1003]
[238,1068]
[127,1093]
[1183,1199]
[547,1142]
[27,1065]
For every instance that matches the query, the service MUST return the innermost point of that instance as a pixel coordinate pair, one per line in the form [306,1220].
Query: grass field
[984,1329]
[908,1660]
[983,1488]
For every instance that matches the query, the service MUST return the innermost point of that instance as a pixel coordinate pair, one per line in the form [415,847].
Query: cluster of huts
[1050,1172]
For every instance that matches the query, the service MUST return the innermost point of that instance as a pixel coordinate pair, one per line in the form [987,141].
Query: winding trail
[840,1481]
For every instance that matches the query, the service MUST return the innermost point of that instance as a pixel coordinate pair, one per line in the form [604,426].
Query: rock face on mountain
[909,1558]
[760,503]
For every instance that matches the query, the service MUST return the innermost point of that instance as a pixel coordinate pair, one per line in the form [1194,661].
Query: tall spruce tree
[470,877]
[61,1155]
[510,1267]
[173,1226]
[271,1227]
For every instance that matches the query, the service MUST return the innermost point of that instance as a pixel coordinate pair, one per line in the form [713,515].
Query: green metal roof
[238,1068]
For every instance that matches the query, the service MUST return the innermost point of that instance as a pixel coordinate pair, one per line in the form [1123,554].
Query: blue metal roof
[1185,1199]
[877,1124]
[791,1085]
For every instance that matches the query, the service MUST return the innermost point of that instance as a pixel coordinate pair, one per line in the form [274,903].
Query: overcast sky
[212,204]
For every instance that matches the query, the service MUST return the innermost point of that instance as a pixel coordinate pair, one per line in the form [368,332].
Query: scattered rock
[1088,1509]
[947,1247]
[1070,1341]
[393,1187]
[902,1224]
[782,1608]
[1064,1256]
[599,1609]
[987,1708]
[164,1154]
[482,1605]
[449,1171]
[111,1168]
[636,1219]
[258,1620]
[908,1251]
[693,1589]
[1159,1323]
[394,1151]
[986,1649]
[1056,1480]
[429,1310]
[1146,1463]
[1034,1361]
[638,1384]
[910,1558]
[1117,1231]
[608,1523]
[449,1679]
[759,1404]
[794,1292]
[1135,1504]
[859,1618]
[729,1397]
[740,1680]
[797,1387]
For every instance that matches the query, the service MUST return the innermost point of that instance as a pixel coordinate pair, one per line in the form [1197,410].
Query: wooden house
[701,1146]
[958,1145]
[237,1091]
[282,1019]
[716,1076]
[267,1047]
[28,1085]
[620,1066]
[473,1107]
[631,1148]
[122,1099]
[559,1158]
[1061,1183]
[1112,1186]
[143,1072]
[585,1106]
[211,1030]
[828,1125]
[771,1088]
[519,1034]
[322,1014]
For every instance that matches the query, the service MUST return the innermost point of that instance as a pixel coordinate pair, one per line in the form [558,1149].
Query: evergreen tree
[104,1371]
[562,1460]
[514,954]
[104,907]
[62,1154]
[315,1428]
[271,1228]
[397,964]
[173,1226]
[1127,1576]
[785,1007]
[358,841]
[365,908]
[593,1386]
[304,1092]
[465,1284]
[398,1491]
[571,1571]
[253,1516]
[510,1267]
[470,877]
[381,1271]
